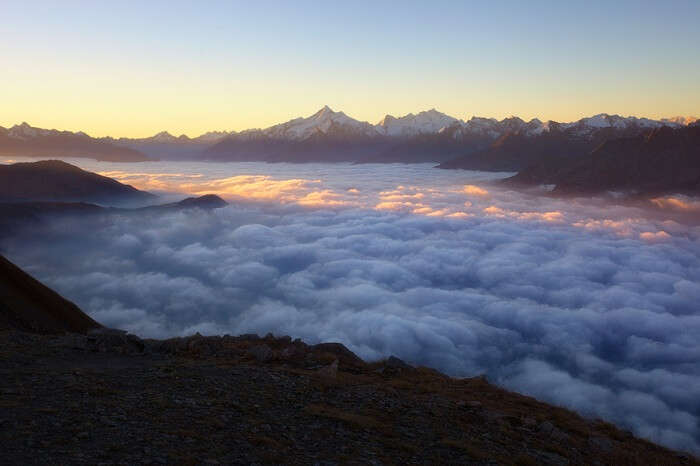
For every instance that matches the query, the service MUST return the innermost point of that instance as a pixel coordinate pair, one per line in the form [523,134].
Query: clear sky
[132,68]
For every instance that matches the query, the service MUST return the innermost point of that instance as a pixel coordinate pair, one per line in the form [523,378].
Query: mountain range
[330,136]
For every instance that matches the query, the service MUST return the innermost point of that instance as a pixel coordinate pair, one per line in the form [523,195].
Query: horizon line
[259,128]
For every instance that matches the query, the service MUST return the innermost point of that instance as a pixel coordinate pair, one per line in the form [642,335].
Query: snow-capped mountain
[332,135]
[164,136]
[681,120]
[586,126]
[430,121]
[325,121]
[24,131]
[213,136]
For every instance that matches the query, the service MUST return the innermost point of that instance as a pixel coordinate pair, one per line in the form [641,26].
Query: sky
[135,68]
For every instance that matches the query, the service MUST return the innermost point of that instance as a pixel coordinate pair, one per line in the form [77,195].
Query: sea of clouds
[582,303]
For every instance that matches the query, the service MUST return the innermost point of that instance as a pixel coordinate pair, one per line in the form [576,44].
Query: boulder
[107,340]
[330,371]
[261,353]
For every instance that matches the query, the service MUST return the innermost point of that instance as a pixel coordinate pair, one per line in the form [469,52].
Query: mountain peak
[681,120]
[427,121]
[164,136]
[325,110]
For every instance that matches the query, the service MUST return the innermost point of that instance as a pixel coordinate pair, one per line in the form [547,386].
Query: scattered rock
[330,371]
[261,353]
[344,355]
[290,352]
[550,430]
[112,340]
[169,407]
[600,443]
[546,428]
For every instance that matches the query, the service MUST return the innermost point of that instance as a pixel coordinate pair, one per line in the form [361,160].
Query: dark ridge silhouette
[516,151]
[55,180]
[28,305]
[336,146]
[207,201]
[663,160]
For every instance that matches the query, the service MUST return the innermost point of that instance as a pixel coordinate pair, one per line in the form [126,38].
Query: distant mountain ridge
[429,136]
[327,135]
[28,141]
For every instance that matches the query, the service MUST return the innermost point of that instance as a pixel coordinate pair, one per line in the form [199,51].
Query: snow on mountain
[430,121]
[324,121]
[163,136]
[213,136]
[25,131]
[586,126]
[328,122]
[681,120]
[489,127]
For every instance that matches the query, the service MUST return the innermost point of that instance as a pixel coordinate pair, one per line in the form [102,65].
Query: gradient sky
[133,68]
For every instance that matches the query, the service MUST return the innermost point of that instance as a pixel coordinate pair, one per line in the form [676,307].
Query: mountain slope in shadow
[55,180]
[28,305]
[664,160]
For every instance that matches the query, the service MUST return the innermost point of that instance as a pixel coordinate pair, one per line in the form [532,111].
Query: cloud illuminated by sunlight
[676,203]
[552,216]
[654,237]
[474,190]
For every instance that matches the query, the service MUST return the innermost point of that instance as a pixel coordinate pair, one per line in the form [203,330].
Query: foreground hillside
[105,398]
[101,396]
[55,180]
[28,305]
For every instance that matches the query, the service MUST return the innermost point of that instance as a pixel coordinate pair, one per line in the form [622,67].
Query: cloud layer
[587,305]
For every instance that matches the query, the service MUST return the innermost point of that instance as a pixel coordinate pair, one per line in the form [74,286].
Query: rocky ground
[110,398]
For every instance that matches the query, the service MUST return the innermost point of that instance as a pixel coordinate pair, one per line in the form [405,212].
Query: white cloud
[558,299]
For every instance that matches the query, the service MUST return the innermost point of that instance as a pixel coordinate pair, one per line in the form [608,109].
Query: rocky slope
[107,397]
[110,398]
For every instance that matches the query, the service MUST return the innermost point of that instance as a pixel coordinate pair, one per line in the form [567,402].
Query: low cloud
[557,299]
